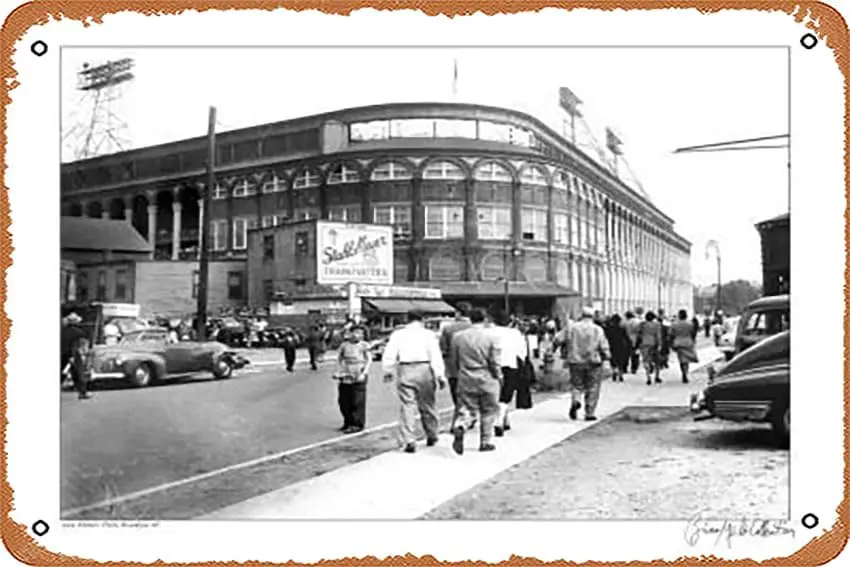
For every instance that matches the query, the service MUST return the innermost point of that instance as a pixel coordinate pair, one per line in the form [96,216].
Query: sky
[657,100]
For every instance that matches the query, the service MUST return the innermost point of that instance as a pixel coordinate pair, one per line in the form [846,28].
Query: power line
[736,149]
[730,143]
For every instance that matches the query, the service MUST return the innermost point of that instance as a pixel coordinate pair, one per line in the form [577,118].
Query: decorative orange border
[824,21]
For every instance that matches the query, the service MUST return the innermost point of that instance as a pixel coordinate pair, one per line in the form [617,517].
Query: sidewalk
[380,488]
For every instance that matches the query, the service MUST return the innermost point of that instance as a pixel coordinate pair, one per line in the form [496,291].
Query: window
[302,243]
[562,234]
[562,273]
[268,220]
[443,222]
[274,185]
[365,131]
[244,189]
[493,267]
[268,247]
[494,222]
[535,225]
[492,172]
[306,214]
[397,216]
[306,179]
[219,192]
[345,214]
[121,284]
[268,289]
[443,170]
[534,270]
[444,268]
[219,235]
[82,286]
[100,292]
[401,269]
[343,174]
[533,176]
[390,170]
[455,129]
[574,230]
[241,226]
[560,180]
[412,128]
[235,285]
[196,282]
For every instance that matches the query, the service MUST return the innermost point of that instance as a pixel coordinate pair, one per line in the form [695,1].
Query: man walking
[413,356]
[475,360]
[513,352]
[632,326]
[587,349]
[315,345]
[76,354]
[460,323]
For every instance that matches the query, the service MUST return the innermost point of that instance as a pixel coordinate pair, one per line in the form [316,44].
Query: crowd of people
[487,360]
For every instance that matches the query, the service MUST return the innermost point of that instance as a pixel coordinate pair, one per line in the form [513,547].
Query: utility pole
[204,262]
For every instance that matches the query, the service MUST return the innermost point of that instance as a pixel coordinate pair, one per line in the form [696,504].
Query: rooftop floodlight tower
[95,125]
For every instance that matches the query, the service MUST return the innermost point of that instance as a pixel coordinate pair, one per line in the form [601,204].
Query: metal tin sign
[359,253]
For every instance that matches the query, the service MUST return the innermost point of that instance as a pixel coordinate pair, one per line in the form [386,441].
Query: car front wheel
[223,369]
[141,376]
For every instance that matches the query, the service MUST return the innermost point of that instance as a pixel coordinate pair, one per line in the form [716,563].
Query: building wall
[601,238]
[100,282]
[169,288]
[289,268]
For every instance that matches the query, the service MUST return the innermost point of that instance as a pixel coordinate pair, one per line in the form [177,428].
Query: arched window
[534,270]
[533,176]
[391,170]
[444,268]
[306,178]
[492,171]
[560,180]
[343,174]
[443,170]
[493,267]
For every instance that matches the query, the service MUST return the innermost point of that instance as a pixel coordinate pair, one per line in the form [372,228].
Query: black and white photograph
[438,282]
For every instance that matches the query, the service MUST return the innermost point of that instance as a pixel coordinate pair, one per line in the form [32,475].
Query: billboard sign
[359,253]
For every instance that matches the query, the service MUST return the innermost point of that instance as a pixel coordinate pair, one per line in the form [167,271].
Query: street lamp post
[714,245]
[515,253]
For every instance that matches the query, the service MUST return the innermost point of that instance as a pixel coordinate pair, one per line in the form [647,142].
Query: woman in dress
[354,363]
[683,334]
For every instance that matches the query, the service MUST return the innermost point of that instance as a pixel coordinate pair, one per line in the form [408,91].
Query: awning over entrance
[401,306]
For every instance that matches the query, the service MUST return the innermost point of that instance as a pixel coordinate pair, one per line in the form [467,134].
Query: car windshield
[144,337]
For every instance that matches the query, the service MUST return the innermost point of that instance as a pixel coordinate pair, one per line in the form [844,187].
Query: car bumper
[738,410]
[107,376]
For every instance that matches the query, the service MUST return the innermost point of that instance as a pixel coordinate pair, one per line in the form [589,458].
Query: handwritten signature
[725,530]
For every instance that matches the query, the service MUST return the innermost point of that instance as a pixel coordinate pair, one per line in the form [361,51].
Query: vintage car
[754,386]
[147,355]
[762,318]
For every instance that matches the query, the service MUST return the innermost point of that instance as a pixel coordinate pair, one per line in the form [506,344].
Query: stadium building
[475,195]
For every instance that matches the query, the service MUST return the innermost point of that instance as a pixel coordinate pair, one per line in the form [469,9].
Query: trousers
[352,404]
[587,379]
[460,412]
[416,391]
[478,395]
[289,355]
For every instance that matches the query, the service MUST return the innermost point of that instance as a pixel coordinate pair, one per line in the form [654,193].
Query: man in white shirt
[513,351]
[413,356]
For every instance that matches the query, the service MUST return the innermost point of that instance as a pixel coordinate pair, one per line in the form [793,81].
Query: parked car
[146,356]
[761,319]
[754,386]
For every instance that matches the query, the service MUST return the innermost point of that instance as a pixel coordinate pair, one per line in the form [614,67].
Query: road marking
[66,514]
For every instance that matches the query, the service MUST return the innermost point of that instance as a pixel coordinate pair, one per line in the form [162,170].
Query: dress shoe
[657,380]
[487,447]
[432,441]
[352,429]
[344,427]
[457,444]
[500,432]
[410,448]
[648,382]
[574,410]
[590,418]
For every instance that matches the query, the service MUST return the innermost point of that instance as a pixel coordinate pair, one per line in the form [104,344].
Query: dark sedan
[755,386]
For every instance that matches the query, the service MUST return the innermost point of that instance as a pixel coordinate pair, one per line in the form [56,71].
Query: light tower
[96,126]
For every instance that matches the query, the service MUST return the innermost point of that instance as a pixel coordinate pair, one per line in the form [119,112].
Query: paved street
[124,440]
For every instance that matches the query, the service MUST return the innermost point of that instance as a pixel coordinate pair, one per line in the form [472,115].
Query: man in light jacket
[587,350]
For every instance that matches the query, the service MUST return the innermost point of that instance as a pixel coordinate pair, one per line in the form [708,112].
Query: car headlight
[118,360]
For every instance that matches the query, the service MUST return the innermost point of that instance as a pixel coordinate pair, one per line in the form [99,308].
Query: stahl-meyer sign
[360,253]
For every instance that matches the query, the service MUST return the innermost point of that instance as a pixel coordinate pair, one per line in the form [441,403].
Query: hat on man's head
[74,319]
[587,312]
[415,315]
